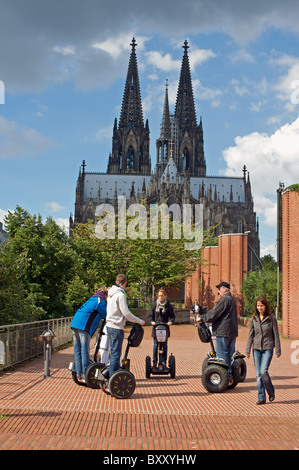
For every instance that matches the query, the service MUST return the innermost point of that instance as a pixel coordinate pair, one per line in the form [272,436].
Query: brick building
[229,261]
[290,264]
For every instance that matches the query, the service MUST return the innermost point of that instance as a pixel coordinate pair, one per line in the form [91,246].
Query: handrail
[21,341]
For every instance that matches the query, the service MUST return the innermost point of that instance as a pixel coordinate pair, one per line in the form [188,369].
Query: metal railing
[22,341]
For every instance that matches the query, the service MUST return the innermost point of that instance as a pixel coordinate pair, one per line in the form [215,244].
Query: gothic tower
[191,158]
[130,142]
[165,143]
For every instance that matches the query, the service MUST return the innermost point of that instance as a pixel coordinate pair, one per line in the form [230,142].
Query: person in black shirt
[161,311]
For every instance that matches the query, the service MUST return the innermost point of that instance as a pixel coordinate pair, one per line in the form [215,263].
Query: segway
[122,383]
[161,334]
[215,377]
[95,364]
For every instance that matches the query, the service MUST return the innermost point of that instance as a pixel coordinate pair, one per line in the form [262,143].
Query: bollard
[47,337]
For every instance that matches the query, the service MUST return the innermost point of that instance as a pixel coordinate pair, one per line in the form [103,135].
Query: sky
[63,67]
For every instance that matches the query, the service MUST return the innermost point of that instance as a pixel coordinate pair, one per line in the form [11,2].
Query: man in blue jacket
[84,324]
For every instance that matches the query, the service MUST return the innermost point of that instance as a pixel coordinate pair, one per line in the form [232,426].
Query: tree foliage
[45,274]
[262,282]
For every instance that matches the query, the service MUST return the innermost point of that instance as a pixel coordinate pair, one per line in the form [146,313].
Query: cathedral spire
[131,112]
[185,109]
[130,141]
[166,125]
[189,141]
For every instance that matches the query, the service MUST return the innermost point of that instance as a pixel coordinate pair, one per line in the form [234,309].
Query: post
[47,337]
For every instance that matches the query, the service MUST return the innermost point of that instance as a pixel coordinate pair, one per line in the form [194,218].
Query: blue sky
[64,63]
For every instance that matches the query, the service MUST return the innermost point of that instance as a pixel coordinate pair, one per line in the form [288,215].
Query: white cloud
[54,207]
[19,141]
[64,50]
[288,87]
[68,29]
[242,56]
[239,89]
[205,93]
[269,159]
[115,46]
[3,214]
[268,249]
[165,63]
[199,56]
[63,223]
[256,106]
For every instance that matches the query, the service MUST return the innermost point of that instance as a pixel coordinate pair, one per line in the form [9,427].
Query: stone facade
[179,176]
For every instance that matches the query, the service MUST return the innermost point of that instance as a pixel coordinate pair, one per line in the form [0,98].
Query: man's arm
[126,312]
[217,311]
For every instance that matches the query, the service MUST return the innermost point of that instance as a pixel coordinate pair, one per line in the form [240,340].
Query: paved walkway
[162,414]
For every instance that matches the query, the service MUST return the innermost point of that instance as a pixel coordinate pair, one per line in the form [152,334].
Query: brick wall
[290,264]
[227,262]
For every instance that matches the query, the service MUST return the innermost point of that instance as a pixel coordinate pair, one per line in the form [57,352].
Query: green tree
[149,263]
[262,282]
[47,263]
[16,305]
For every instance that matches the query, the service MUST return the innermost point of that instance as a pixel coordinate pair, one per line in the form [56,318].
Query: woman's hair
[103,290]
[162,290]
[264,301]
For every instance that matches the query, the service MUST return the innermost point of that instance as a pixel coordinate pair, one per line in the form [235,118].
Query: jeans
[225,348]
[116,338]
[81,351]
[262,360]
[155,352]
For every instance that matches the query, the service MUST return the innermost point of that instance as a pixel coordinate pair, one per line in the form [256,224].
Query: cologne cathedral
[179,176]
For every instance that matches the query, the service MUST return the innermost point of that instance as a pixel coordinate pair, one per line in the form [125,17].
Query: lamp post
[47,337]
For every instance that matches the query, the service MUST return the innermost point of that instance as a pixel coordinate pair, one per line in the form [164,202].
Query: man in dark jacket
[161,311]
[224,323]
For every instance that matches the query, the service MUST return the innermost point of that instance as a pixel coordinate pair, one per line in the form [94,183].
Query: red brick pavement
[162,414]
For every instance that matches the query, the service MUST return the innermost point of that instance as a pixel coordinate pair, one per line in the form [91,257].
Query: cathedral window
[185,160]
[130,158]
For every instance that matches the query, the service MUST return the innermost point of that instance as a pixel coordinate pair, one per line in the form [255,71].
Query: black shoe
[271,398]
[261,402]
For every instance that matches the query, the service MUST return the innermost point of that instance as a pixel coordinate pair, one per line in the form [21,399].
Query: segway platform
[161,332]
[215,377]
[122,383]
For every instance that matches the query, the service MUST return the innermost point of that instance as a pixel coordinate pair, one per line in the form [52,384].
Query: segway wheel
[90,379]
[205,363]
[75,379]
[122,384]
[215,378]
[239,369]
[147,367]
[172,366]
[104,388]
